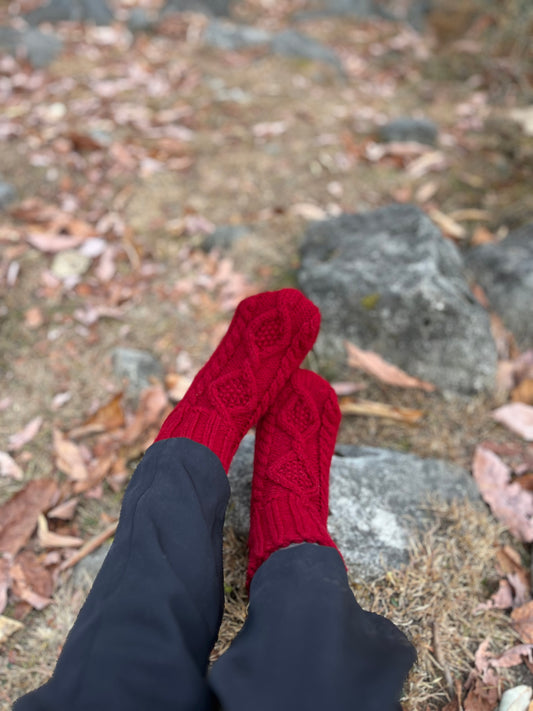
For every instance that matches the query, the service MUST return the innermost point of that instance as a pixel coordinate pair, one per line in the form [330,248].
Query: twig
[91,545]
[439,658]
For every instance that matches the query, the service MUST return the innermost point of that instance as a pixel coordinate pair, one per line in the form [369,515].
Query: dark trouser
[143,638]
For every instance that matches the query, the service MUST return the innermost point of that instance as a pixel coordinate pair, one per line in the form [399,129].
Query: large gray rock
[377,501]
[39,48]
[505,272]
[290,43]
[409,129]
[219,8]
[389,282]
[96,11]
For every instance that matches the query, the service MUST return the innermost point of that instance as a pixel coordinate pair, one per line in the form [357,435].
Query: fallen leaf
[348,388]
[8,627]
[49,539]
[517,417]
[18,516]
[508,501]
[502,599]
[481,697]
[9,467]
[523,392]
[520,582]
[522,622]
[177,385]
[482,236]
[52,243]
[152,403]
[69,458]
[65,511]
[380,409]
[482,658]
[96,474]
[108,417]
[32,582]
[514,656]
[448,225]
[5,580]
[25,435]
[33,318]
[375,365]
[516,699]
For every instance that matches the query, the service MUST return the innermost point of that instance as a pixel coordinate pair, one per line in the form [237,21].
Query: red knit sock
[268,338]
[293,450]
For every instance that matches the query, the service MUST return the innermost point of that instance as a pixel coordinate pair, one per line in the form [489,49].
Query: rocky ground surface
[158,167]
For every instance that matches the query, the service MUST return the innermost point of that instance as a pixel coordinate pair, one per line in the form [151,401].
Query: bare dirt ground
[150,140]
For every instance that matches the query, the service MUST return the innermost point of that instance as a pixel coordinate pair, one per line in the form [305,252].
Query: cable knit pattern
[290,490]
[268,338]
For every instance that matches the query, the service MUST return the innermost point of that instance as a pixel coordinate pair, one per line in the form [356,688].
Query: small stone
[409,129]
[137,366]
[7,194]
[140,21]
[87,569]
[70,263]
[223,237]
[96,11]
[290,43]
[219,8]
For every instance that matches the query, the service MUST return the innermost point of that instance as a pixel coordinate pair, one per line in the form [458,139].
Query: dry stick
[439,657]
[91,545]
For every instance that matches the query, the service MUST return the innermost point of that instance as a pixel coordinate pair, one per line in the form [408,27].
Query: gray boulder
[140,21]
[7,194]
[377,501]
[233,37]
[389,282]
[219,8]
[96,11]
[505,272]
[409,129]
[290,43]
[137,367]
[39,48]
[224,237]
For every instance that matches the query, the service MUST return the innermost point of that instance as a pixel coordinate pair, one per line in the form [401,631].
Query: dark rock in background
[39,48]
[137,366]
[377,501]
[290,43]
[219,8]
[7,194]
[505,272]
[140,21]
[224,237]
[409,129]
[390,282]
[230,36]
[96,11]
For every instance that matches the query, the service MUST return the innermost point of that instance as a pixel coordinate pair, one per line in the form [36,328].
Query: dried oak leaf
[375,365]
[514,656]
[522,621]
[9,467]
[32,581]
[508,501]
[25,435]
[18,516]
[69,457]
[481,697]
[518,417]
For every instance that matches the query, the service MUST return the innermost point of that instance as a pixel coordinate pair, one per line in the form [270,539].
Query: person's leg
[306,643]
[143,638]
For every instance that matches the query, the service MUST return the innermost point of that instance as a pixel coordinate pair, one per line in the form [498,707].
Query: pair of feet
[253,379]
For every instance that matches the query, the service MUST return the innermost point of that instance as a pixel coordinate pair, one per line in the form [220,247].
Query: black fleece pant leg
[308,646]
[143,637]
[142,640]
